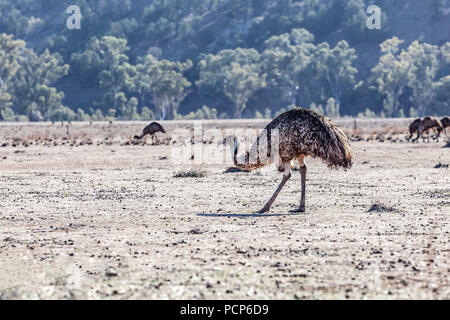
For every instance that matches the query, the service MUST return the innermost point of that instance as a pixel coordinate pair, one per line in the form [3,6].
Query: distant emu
[414,127]
[151,129]
[427,124]
[445,123]
[296,134]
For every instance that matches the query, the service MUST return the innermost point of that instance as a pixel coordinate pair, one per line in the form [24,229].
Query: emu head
[234,143]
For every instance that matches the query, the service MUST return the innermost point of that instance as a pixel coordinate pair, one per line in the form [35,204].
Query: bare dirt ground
[90,214]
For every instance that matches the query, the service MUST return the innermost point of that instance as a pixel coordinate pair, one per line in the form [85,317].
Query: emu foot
[263,210]
[299,210]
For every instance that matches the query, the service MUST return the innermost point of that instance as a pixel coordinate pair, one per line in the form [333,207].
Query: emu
[427,124]
[414,127]
[151,129]
[300,133]
[445,123]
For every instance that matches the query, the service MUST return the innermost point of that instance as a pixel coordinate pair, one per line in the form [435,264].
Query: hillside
[187,31]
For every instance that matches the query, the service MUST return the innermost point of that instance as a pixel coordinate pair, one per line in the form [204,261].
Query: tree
[308,73]
[165,82]
[335,69]
[31,86]
[424,65]
[445,60]
[131,110]
[442,96]
[391,75]
[235,73]
[117,74]
[106,61]
[283,60]
[414,68]
[9,50]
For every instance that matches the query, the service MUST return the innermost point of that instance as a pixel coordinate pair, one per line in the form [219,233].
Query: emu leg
[286,177]
[418,136]
[437,133]
[303,170]
[409,138]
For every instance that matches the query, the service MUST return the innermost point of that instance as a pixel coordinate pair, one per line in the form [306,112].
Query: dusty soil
[93,215]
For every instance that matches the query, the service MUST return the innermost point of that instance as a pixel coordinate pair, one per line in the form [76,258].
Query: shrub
[192,173]
[381,207]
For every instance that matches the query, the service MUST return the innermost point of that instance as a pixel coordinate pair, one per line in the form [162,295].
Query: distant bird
[445,123]
[295,135]
[151,129]
[427,124]
[413,128]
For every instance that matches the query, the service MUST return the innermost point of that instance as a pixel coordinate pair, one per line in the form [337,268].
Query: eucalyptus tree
[391,75]
[164,82]
[237,74]
[335,69]
[285,60]
[9,50]
[413,69]
[31,88]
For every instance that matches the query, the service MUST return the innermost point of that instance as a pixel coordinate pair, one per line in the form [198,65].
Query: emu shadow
[243,215]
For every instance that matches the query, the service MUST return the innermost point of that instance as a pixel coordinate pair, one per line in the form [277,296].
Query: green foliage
[7,114]
[332,109]
[9,51]
[30,87]
[335,69]
[236,74]
[308,73]
[317,108]
[413,69]
[441,104]
[164,80]
[242,58]
[82,116]
[204,113]
[147,114]
[63,114]
[367,114]
[286,59]
[267,114]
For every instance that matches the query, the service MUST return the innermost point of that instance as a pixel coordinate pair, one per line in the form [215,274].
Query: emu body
[445,123]
[296,135]
[427,124]
[151,130]
[414,127]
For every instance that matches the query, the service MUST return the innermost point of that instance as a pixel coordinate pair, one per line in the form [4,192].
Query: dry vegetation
[94,214]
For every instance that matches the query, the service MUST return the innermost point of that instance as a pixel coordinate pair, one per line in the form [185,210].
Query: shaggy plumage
[427,124]
[295,135]
[445,123]
[414,127]
[151,129]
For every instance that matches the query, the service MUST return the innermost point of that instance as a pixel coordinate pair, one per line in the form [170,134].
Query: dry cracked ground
[90,215]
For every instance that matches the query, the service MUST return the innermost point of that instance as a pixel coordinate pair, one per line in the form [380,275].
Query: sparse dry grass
[191,173]
[381,207]
[114,223]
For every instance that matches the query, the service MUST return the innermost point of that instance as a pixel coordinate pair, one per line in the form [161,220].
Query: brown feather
[300,132]
[151,129]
